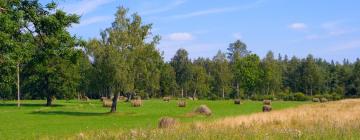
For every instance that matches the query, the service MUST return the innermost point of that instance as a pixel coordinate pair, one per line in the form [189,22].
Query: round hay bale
[266,108]
[267,102]
[137,97]
[204,110]
[182,103]
[316,100]
[103,98]
[121,97]
[136,103]
[107,103]
[237,101]
[166,99]
[323,100]
[167,122]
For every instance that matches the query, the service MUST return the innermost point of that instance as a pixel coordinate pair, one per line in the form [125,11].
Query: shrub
[167,122]
[336,97]
[266,108]
[204,110]
[237,101]
[300,97]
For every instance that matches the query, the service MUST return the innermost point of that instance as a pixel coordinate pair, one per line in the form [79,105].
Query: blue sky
[328,29]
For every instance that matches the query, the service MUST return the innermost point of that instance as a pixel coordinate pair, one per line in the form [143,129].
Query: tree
[356,77]
[272,76]
[310,75]
[182,66]
[222,74]
[199,81]
[247,72]
[168,84]
[237,50]
[16,45]
[126,58]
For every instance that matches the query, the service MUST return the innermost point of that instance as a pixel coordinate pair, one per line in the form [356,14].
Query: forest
[40,59]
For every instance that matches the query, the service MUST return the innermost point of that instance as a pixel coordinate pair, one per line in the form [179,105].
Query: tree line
[40,59]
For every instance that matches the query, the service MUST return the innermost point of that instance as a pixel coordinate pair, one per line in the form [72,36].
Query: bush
[300,97]
[262,97]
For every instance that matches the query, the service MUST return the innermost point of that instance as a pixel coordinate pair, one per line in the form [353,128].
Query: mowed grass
[66,118]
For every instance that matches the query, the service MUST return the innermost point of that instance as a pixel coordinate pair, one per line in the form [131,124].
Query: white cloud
[180,36]
[83,7]
[298,26]
[205,12]
[219,10]
[237,36]
[93,20]
[163,8]
[335,29]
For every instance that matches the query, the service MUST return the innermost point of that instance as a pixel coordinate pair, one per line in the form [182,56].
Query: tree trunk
[18,85]
[237,90]
[182,92]
[194,95]
[48,101]
[223,93]
[114,103]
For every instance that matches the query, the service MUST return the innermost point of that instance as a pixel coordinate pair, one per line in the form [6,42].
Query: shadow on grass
[70,113]
[28,105]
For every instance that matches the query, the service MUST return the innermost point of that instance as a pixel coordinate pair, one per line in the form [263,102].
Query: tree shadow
[28,105]
[70,113]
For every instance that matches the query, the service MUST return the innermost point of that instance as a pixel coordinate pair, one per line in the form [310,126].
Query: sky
[328,29]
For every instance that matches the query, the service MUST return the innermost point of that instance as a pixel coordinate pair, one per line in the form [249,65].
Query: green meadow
[67,118]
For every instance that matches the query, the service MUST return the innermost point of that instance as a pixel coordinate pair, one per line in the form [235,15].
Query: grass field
[68,118]
[338,120]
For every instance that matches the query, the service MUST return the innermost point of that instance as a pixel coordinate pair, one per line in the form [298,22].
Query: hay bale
[237,101]
[85,98]
[266,108]
[267,102]
[136,103]
[103,98]
[137,98]
[182,103]
[204,110]
[166,99]
[323,100]
[53,98]
[167,122]
[316,100]
[121,97]
[107,103]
